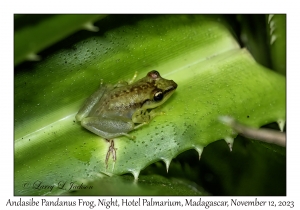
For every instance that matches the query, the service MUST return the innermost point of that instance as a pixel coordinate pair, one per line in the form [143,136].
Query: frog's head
[162,89]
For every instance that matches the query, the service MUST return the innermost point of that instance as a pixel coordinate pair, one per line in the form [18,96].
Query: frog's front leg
[144,117]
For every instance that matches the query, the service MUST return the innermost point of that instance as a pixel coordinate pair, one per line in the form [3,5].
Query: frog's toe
[129,136]
[111,150]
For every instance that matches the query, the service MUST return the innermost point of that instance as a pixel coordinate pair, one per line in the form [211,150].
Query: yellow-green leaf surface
[214,76]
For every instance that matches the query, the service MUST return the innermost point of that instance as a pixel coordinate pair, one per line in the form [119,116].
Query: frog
[115,110]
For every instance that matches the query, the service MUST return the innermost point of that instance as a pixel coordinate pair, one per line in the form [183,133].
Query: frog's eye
[158,96]
[154,74]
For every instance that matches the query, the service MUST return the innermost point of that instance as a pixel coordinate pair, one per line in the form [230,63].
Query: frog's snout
[174,85]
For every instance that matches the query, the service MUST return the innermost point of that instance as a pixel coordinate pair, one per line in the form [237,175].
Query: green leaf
[34,33]
[277,41]
[254,37]
[214,76]
[253,168]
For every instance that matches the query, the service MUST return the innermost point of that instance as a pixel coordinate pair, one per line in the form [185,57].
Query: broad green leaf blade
[214,78]
[40,32]
[223,85]
[64,80]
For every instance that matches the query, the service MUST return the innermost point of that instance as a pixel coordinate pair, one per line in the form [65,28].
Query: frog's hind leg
[90,103]
[108,128]
[111,150]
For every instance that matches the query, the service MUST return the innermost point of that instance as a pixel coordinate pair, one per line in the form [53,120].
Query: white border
[8,8]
